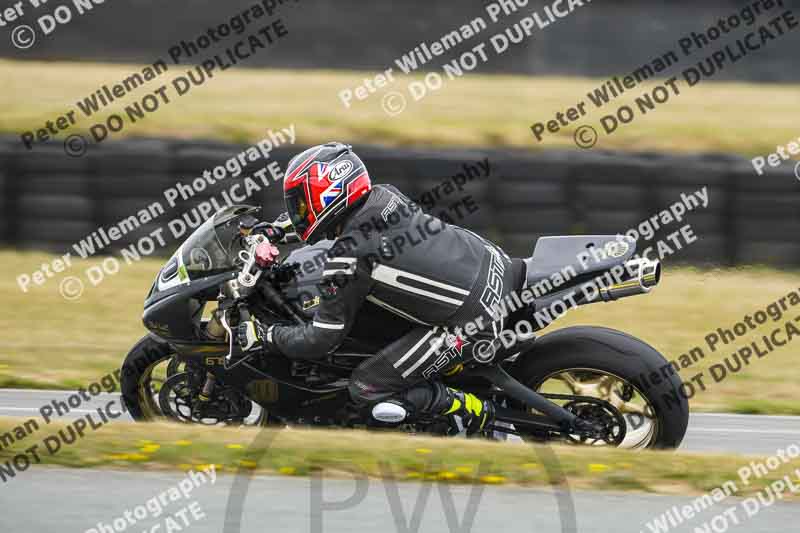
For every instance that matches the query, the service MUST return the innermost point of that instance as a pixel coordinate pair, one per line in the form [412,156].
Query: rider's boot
[437,400]
[476,414]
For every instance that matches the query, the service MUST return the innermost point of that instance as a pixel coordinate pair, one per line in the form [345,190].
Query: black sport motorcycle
[585,385]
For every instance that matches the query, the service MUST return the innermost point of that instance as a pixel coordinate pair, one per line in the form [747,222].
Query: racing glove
[252,336]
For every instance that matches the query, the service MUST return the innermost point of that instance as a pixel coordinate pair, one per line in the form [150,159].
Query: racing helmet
[322,186]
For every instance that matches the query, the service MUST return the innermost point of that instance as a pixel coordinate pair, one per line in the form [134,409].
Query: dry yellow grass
[50,342]
[374,454]
[691,304]
[492,111]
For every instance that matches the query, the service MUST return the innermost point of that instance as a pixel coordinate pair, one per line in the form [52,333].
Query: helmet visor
[298,209]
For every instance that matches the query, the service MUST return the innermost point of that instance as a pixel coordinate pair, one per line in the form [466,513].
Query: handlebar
[280,231]
[259,261]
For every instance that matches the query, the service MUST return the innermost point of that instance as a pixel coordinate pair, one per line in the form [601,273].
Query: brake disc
[179,399]
[600,414]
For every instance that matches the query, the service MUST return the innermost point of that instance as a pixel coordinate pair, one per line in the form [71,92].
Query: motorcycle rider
[436,275]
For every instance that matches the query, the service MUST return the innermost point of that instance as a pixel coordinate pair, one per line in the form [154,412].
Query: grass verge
[477,110]
[299,452]
[53,343]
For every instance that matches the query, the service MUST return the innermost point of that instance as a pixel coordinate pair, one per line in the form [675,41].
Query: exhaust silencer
[640,275]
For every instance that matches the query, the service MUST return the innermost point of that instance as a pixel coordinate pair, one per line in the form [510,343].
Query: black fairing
[174,314]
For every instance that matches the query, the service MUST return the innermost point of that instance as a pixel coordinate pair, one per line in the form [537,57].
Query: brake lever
[285,272]
[283,222]
[274,234]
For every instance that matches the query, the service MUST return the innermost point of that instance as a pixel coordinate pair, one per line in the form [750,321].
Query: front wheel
[140,380]
[615,367]
[156,385]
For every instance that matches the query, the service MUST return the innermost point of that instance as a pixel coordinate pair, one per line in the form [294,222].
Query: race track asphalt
[56,500]
[744,434]
[47,499]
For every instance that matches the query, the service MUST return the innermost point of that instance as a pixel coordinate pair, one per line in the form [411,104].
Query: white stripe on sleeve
[323,325]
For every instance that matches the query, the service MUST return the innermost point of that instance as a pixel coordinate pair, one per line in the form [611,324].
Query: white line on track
[34,410]
[760,431]
[750,417]
[47,391]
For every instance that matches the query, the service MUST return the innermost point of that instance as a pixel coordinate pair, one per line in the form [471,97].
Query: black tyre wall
[617,353]
[143,355]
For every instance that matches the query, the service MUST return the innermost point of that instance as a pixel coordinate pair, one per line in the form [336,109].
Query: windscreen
[214,247]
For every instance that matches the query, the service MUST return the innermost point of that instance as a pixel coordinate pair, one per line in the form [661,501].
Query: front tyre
[618,368]
[155,385]
[137,383]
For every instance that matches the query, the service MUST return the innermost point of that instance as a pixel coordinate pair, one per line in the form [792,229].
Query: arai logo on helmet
[340,170]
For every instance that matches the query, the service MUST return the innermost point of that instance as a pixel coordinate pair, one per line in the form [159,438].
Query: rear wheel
[635,382]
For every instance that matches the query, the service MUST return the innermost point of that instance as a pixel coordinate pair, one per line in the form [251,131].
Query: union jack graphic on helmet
[331,193]
[322,185]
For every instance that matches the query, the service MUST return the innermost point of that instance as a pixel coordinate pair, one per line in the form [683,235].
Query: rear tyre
[586,359]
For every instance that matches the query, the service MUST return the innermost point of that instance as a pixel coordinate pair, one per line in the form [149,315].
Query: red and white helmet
[322,186]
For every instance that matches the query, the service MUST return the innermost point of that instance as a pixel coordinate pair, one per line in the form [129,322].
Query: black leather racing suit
[437,275]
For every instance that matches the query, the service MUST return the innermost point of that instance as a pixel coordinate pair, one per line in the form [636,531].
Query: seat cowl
[582,254]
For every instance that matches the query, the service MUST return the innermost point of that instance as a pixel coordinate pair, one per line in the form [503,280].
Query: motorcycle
[582,385]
